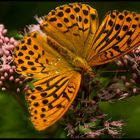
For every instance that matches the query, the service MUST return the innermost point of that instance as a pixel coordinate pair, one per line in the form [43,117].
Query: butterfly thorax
[82,65]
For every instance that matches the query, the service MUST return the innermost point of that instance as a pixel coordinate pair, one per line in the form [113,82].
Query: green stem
[18,99]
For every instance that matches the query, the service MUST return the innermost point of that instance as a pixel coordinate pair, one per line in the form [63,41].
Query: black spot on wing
[116,48]
[66,96]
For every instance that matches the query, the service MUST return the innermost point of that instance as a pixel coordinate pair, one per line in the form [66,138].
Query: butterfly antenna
[114,71]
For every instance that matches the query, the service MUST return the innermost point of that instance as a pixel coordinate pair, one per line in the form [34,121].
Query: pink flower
[7,68]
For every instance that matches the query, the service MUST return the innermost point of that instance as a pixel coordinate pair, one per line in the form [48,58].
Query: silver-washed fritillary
[69,42]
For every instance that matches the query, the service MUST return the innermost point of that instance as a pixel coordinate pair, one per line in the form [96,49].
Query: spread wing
[55,84]
[118,34]
[72,25]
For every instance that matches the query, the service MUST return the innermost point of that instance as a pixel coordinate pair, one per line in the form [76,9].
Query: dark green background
[13,121]
[15,15]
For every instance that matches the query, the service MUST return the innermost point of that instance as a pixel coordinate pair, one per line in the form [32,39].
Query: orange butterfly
[68,43]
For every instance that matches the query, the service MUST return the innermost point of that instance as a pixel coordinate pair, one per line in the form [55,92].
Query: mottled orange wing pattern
[118,34]
[55,84]
[34,57]
[51,98]
[71,25]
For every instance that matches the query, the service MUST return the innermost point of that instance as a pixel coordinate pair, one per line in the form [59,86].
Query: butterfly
[67,43]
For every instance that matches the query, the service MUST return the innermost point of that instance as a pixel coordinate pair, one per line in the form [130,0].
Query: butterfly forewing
[31,56]
[118,34]
[72,26]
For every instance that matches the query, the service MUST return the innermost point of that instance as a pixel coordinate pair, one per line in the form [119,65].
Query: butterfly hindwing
[51,97]
[118,34]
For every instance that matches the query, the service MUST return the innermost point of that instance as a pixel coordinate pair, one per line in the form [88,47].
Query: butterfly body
[72,45]
[83,65]
[77,62]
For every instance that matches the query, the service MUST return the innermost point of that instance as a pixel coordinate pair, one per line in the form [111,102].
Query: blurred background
[14,122]
[15,15]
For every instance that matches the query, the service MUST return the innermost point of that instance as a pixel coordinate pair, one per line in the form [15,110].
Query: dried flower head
[122,85]
[89,122]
